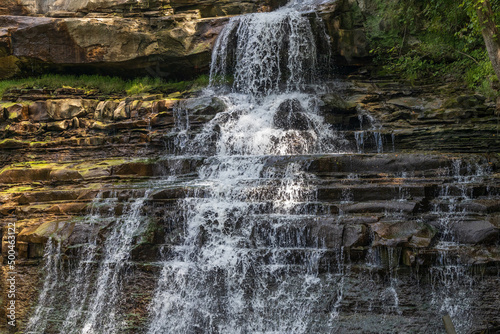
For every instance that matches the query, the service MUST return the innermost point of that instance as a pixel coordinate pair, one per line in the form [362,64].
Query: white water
[102,312]
[266,53]
[52,268]
[233,273]
[246,263]
[95,282]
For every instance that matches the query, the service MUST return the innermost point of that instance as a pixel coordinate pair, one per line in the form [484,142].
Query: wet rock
[355,235]
[399,233]
[290,116]
[475,232]
[203,105]
[380,206]
[327,234]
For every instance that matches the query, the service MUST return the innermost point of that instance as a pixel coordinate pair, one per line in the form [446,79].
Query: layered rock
[169,46]
[380,214]
[170,39]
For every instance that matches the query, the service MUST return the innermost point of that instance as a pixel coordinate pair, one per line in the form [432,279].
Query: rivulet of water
[52,268]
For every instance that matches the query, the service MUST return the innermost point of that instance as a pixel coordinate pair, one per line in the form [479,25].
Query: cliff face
[170,39]
[63,150]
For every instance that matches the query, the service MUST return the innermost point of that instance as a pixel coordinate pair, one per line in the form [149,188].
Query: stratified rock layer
[425,170]
[169,39]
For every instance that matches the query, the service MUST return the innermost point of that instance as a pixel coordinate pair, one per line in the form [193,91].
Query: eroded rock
[410,233]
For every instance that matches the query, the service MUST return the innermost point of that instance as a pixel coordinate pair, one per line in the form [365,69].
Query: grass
[103,85]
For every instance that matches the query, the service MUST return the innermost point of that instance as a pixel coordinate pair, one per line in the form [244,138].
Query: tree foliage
[433,38]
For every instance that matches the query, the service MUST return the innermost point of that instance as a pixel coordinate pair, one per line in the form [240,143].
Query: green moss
[20,189]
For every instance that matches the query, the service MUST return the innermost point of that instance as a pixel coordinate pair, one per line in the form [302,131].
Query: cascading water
[266,51]
[233,271]
[95,281]
[52,268]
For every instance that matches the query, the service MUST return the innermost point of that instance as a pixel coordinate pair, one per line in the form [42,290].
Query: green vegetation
[104,85]
[428,39]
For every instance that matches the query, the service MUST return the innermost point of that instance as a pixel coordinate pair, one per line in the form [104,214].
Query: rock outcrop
[169,39]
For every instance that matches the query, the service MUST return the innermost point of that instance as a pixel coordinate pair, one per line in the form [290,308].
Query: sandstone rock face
[165,46]
[159,38]
[207,8]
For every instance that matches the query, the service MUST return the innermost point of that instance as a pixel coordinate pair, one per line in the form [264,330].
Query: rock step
[355,260]
[349,166]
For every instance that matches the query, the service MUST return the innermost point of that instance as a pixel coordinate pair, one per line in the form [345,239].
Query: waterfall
[52,268]
[102,315]
[232,272]
[275,229]
[96,279]
[266,53]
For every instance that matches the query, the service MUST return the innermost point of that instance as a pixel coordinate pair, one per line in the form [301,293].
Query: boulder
[290,116]
[475,232]
[203,105]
